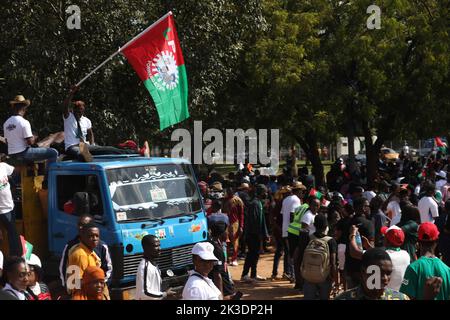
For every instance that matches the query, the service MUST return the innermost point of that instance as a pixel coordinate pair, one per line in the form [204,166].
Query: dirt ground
[265,290]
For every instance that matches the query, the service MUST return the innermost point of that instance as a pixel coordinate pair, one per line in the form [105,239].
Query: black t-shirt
[228,287]
[343,226]
[365,230]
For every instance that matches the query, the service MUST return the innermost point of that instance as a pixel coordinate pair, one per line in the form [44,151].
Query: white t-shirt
[400,261]
[394,208]
[369,195]
[288,206]
[16,129]
[6,200]
[148,282]
[445,192]
[440,184]
[71,129]
[200,288]
[308,218]
[428,209]
[1,259]
[395,220]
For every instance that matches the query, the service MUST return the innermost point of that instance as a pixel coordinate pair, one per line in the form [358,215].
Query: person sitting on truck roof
[20,139]
[82,256]
[199,286]
[101,250]
[148,277]
[79,136]
[93,285]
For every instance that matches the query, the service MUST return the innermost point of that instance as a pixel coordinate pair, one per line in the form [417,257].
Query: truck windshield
[153,192]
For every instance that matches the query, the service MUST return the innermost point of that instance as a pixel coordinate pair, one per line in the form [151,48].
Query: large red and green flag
[441,146]
[156,57]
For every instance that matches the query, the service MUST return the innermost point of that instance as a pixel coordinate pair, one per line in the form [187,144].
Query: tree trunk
[372,151]
[351,146]
[309,145]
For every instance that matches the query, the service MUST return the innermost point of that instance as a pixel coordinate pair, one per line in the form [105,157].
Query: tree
[41,58]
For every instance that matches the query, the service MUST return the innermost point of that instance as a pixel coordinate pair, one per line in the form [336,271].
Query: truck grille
[173,258]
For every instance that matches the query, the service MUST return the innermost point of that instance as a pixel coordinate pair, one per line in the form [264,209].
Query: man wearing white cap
[199,286]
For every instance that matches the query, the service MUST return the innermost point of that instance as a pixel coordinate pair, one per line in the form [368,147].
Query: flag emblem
[164,70]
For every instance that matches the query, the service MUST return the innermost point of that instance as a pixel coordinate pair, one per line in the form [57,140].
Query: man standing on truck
[148,277]
[101,250]
[79,136]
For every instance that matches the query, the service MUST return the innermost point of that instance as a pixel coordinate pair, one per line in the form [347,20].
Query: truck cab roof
[114,161]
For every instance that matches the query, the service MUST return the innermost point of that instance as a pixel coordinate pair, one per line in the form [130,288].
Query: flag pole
[123,47]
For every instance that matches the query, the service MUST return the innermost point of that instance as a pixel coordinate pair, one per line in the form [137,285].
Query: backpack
[315,266]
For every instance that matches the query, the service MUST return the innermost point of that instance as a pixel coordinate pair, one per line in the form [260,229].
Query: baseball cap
[442,174]
[428,232]
[394,235]
[205,251]
[129,144]
[34,261]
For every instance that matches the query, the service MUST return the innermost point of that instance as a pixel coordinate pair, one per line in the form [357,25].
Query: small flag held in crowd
[156,57]
[441,146]
[27,248]
[316,193]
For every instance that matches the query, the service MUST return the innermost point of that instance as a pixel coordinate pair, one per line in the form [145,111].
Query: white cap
[205,251]
[442,174]
[34,261]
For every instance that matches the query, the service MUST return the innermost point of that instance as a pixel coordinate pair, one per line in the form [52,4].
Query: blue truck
[134,196]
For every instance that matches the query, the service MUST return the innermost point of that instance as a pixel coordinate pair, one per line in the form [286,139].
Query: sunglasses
[24,274]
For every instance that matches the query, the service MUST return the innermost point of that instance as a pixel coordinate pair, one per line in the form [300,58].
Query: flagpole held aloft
[123,47]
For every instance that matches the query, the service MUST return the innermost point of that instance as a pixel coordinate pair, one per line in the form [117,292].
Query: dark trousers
[8,220]
[251,260]
[74,151]
[281,248]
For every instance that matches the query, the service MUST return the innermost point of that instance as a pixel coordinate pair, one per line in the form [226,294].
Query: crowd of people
[347,239]
[334,237]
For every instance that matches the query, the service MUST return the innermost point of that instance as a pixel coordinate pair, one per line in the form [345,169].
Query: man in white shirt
[199,286]
[394,238]
[20,139]
[441,180]
[148,277]
[428,206]
[288,208]
[7,213]
[79,136]
[308,218]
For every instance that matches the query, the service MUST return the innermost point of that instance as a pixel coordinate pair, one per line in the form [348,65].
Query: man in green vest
[294,239]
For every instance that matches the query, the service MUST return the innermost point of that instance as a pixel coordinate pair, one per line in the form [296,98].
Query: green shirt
[358,294]
[419,271]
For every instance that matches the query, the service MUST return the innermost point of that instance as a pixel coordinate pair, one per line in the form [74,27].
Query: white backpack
[316,260]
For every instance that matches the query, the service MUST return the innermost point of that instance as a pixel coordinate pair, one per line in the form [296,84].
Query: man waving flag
[156,56]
